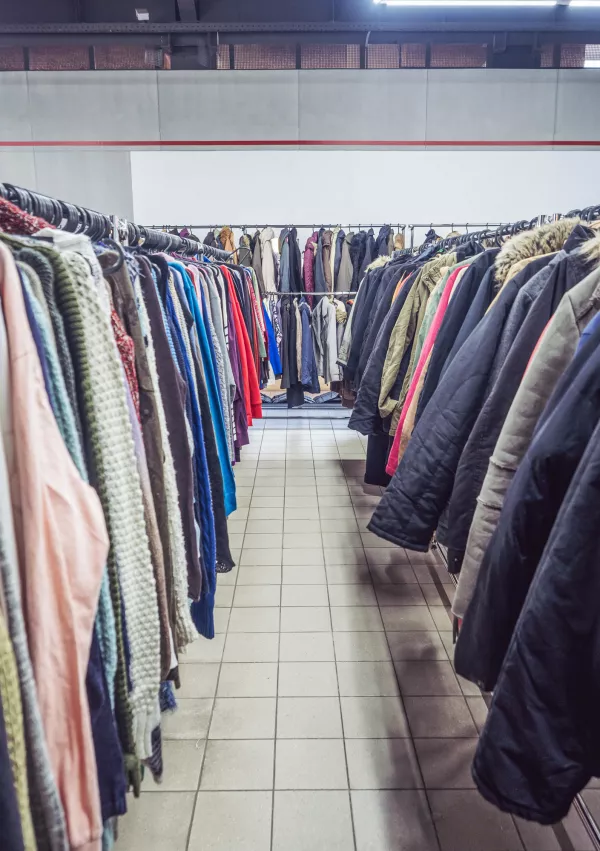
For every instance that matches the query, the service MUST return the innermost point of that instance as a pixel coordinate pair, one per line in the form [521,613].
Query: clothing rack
[98,226]
[314,293]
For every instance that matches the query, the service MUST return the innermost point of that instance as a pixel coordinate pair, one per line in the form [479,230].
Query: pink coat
[62,547]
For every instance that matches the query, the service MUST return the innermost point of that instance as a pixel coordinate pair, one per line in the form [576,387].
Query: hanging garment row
[332,260]
[128,382]
[476,378]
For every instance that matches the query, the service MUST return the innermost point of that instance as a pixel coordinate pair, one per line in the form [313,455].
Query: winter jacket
[365,417]
[370,253]
[382,243]
[357,254]
[331,370]
[320,281]
[397,450]
[540,744]
[309,262]
[345,271]
[369,288]
[308,376]
[401,340]
[268,263]
[530,509]
[534,306]
[326,240]
[553,354]
[410,509]
[453,321]
[384,291]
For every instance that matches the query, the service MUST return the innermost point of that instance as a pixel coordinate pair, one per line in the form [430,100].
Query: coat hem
[507,805]
[394,539]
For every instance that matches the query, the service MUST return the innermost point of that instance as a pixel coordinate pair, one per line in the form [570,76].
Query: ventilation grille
[12,59]
[383,56]
[413,56]
[223,63]
[127,57]
[458,56]
[572,55]
[264,57]
[547,56]
[59,58]
[330,56]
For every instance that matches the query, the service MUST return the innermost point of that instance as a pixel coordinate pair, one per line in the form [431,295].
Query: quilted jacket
[540,745]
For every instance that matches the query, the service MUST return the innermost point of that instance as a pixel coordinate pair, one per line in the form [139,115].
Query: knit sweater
[10,698]
[111,444]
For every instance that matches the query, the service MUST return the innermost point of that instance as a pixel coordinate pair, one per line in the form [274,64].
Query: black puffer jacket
[532,502]
[541,743]
[411,507]
[535,311]
[365,417]
[379,310]
[454,319]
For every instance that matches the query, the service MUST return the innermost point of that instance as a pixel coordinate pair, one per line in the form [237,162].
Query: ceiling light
[142,14]
[590,4]
[478,3]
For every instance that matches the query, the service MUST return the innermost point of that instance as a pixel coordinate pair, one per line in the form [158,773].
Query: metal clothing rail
[314,292]
[580,806]
[98,226]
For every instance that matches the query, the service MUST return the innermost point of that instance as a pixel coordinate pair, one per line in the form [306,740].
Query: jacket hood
[541,240]
[266,234]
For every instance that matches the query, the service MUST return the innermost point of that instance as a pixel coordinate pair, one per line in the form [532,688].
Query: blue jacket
[214,397]
[202,611]
[273,350]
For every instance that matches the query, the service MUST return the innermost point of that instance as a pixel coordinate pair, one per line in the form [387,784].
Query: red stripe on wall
[336,143]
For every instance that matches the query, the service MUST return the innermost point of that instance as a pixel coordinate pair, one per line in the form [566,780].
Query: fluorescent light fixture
[479,3]
[589,4]
[142,14]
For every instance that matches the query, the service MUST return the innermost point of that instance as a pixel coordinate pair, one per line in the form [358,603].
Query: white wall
[423,107]
[351,187]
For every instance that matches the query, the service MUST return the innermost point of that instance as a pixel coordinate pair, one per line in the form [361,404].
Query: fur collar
[591,249]
[379,262]
[541,240]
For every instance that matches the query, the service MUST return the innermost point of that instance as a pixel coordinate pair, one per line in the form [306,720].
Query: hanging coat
[345,271]
[551,358]
[540,743]
[541,297]
[268,261]
[309,263]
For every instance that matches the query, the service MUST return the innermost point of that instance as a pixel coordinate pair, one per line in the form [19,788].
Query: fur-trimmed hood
[541,240]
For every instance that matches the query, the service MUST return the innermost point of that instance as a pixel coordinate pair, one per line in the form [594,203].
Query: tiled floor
[325,715]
